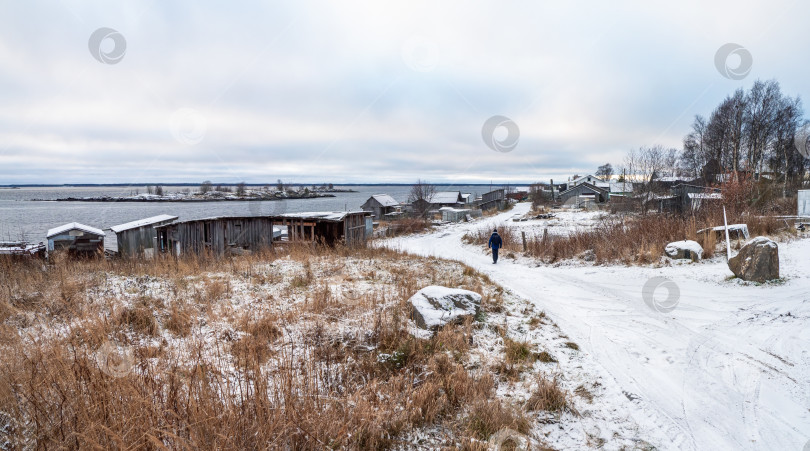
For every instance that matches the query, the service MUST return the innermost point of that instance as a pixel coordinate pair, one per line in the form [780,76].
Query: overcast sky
[377,91]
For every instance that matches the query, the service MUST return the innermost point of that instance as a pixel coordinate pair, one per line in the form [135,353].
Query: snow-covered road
[728,368]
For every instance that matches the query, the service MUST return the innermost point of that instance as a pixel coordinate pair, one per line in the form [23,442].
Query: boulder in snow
[686,249]
[757,261]
[588,255]
[435,306]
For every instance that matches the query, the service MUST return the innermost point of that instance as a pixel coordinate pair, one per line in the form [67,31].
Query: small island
[207,192]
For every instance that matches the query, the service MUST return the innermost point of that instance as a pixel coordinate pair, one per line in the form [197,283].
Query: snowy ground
[727,368]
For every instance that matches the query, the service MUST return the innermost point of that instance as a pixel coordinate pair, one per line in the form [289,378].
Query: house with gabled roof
[381,205]
[77,239]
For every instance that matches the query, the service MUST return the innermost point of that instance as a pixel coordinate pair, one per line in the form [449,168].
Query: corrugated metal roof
[321,215]
[142,222]
[445,197]
[74,226]
[385,200]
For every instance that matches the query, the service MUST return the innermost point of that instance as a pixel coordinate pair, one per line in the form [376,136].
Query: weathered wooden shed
[77,239]
[234,235]
[803,200]
[341,227]
[380,205]
[140,238]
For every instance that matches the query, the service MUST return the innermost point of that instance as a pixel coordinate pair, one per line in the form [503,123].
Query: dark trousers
[494,255]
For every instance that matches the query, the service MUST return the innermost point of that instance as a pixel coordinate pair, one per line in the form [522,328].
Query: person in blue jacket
[495,243]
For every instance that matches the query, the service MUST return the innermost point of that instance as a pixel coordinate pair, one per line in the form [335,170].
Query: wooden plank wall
[254,233]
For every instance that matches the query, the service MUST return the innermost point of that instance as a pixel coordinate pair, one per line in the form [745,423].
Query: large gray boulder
[435,306]
[757,261]
[687,249]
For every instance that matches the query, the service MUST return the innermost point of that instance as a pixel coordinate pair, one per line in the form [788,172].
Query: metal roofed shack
[140,238]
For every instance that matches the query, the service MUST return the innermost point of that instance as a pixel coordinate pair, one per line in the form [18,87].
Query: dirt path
[728,368]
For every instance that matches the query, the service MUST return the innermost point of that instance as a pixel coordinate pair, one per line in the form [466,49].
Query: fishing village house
[382,205]
[77,239]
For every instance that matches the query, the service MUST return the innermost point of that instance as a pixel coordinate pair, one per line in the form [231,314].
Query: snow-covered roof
[19,248]
[454,209]
[587,185]
[74,226]
[445,197]
[325,215]
[385,200]
[142,223]
[621,187]
[670,178]
[705,195]
[585,178]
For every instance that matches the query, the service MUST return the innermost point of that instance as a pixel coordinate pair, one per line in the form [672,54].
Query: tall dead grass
[203,375]
[630,239]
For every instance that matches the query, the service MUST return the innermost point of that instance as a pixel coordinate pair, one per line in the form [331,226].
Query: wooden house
[235,235]
[584,192]
[77,239]
[492,199]
[380,205]
[140,238]
[438,200]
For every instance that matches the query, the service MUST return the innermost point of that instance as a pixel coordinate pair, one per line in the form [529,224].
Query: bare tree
[240,189]
[605,171]
[646,164]
[420,196]
[205,187]
[159,190]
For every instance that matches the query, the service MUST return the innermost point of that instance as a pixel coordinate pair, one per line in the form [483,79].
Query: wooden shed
[235,235]
[140,238]
[77,239]
[380,205]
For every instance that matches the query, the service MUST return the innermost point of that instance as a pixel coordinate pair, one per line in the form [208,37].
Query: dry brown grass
[209,372]
[405,226]
[549,397]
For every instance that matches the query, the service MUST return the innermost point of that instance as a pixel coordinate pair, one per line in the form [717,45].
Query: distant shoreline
[127,185]
[181,200]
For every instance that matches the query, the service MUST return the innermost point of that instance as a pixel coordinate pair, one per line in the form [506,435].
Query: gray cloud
[321,91]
